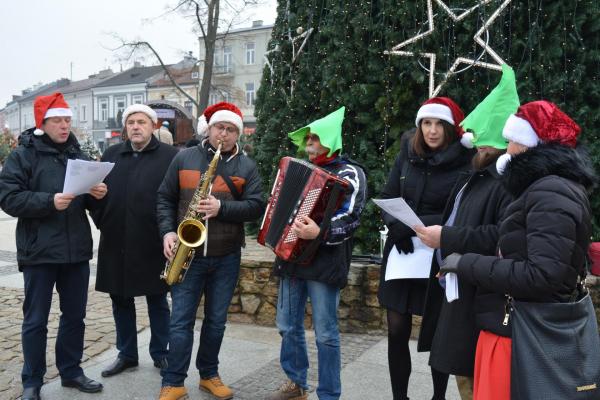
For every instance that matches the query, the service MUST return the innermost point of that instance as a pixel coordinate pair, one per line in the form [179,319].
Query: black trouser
[125,321]
[72,286]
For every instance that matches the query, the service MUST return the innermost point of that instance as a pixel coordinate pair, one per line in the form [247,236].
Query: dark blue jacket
[32,174]
[332,259]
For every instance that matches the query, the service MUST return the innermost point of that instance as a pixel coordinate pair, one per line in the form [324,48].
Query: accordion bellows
[300,189]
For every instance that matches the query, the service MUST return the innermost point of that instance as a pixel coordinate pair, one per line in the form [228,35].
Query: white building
[238,66]
[78,95]
[112,96]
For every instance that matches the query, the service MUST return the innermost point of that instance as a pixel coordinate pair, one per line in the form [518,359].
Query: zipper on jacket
[507,310]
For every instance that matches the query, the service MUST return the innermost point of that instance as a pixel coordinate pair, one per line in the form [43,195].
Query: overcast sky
[41,38]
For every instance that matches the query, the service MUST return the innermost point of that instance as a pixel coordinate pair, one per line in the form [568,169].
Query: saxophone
[191,233]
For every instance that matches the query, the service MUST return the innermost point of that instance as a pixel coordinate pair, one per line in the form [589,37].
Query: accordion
[300,189]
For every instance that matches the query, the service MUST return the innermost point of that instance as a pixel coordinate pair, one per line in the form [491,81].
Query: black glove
[405,246]
[398,232]
[450,263]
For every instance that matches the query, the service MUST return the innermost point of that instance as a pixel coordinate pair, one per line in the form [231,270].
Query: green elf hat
[328,129]
[484,124]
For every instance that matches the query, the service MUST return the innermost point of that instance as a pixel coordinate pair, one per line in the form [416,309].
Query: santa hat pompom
[202,125]
[502,163]
[38,132]
[467,140]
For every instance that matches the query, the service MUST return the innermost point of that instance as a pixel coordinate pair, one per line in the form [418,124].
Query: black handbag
[555,350]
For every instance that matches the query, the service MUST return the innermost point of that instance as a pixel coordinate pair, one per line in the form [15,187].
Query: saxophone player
[236,198]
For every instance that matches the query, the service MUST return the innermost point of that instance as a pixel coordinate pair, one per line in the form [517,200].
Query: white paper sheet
[414,265]
[82,175]
[451,286]
[399,209]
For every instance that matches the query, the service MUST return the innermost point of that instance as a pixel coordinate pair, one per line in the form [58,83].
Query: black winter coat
[448,330]
[32,174]
[226,230]
[130,255]
[544,235]
[331,262]
[425,184]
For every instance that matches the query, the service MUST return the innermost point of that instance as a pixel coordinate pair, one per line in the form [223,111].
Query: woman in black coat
[423,174]
[544,235]
[448,330]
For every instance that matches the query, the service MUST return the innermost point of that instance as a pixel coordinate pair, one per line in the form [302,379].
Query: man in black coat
[54,243]
[130,256]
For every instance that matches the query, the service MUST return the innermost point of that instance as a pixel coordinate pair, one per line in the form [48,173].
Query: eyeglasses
[229,129]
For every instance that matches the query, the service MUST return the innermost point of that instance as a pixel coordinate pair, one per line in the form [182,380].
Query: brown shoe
[289,391]
[173,393]
[216,387]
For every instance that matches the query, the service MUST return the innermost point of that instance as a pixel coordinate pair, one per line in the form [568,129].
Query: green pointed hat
[328,129]
[484,124]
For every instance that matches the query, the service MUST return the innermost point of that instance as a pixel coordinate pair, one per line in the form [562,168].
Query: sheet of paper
[82,175]
[451,286]
[414,265]
[399,209]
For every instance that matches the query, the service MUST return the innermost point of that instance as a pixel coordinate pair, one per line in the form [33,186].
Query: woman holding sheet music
[424,174]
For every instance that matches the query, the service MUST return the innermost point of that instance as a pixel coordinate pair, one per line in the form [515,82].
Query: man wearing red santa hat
[54,243]
[236,198]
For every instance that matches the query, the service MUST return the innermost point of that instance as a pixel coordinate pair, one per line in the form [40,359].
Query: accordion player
[300,189]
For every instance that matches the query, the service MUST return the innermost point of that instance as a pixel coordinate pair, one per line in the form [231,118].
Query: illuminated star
[434,90]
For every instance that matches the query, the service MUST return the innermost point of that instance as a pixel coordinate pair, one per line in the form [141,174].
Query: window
[250,53]
[137,99]
[213,98]
[120,103]
[250,94]
[227,97]
[188,106]
[82,115]
[227,59]
[195,75]
[103,109]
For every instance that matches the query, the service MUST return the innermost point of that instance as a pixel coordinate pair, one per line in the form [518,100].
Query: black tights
[399,327]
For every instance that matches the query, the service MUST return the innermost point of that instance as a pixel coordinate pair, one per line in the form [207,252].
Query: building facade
[112,96]
[238,66]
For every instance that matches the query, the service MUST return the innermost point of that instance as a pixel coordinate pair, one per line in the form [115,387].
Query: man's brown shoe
[216,387]
[173,393]
[289,391]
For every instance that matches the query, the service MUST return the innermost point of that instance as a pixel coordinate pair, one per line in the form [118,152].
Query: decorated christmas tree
[325,54]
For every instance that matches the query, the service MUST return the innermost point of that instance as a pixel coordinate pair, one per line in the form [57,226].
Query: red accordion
[300,189]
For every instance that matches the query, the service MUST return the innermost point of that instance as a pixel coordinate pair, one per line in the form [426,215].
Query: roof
[83,84]
[242,30]
[182,76]
[48,88]
[131,76]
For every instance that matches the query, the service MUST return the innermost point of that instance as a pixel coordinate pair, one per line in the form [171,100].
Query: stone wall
[255,297]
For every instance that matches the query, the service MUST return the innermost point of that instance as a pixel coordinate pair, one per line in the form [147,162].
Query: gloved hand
[450,263]
[405,245]
[398,232]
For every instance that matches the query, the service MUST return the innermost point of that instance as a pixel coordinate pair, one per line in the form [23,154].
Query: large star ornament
[433,89]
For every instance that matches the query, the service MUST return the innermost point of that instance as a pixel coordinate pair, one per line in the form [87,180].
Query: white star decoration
[434,90]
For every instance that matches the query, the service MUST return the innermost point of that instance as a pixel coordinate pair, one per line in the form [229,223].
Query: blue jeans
[216,277]
[125,322]
[291,304]
[72,286]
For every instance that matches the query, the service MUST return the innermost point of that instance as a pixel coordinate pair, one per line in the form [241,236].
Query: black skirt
[405,296]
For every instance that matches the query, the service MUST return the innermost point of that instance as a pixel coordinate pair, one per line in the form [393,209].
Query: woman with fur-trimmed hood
[544,236]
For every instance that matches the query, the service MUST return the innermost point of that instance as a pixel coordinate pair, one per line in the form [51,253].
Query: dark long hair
[420,147]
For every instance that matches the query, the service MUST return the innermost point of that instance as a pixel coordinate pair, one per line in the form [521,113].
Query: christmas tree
[554,48]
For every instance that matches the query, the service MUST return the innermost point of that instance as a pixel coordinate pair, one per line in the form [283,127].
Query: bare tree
[208,16]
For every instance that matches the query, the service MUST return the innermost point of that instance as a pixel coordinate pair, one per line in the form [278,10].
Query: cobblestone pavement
[268,378]
[99,335]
